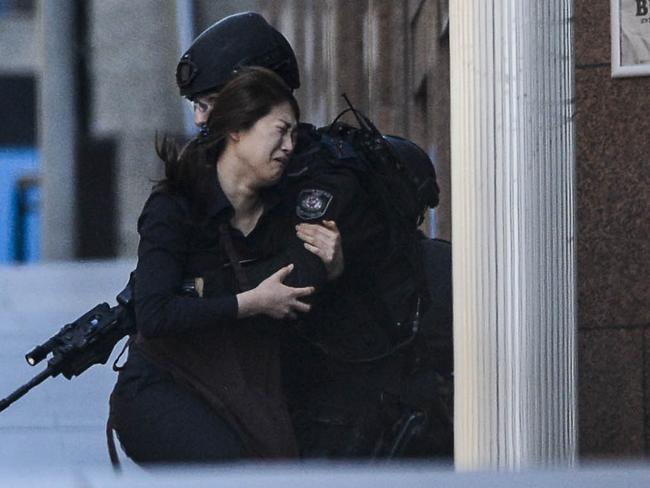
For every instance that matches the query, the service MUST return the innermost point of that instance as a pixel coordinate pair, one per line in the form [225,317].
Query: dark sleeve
[334,193]
[308,269]
[337,194]
[162,253]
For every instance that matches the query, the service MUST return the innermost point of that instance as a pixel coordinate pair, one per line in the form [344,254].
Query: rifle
[80,344]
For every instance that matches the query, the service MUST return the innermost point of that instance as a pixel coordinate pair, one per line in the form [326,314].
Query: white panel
[513,163]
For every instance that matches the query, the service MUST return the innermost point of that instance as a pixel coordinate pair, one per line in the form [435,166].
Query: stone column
[314,66]
[134,51]
[387,65]
[58,129]
[513,164]
[186,34]
[344,29]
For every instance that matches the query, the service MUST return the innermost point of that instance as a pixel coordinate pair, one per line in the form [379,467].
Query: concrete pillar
[58,130]
[186,34]
[513,164]
[313,67]
[291,20]
[344,29]
[134,96]
[439,116]
[387,66]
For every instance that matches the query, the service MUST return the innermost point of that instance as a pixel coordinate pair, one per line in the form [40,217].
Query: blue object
[19,205]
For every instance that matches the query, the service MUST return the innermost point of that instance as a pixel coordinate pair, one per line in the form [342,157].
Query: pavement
[60,422]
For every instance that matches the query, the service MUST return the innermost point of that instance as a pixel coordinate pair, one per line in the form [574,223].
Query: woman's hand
[325,242]
[273,298]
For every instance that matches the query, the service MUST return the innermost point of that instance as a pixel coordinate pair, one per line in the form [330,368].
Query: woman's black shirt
[233,364]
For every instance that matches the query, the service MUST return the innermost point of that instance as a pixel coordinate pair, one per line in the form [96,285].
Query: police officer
[364,372]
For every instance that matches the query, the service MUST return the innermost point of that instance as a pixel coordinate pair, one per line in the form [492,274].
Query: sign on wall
[630,37]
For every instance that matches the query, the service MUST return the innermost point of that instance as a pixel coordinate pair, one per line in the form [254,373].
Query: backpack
[399,180]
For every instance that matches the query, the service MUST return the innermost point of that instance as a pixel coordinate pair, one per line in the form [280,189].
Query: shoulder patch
[312,203]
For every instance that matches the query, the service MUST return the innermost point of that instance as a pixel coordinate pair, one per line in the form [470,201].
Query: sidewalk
[60,422]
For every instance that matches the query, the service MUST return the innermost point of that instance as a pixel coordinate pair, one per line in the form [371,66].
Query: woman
[202,382]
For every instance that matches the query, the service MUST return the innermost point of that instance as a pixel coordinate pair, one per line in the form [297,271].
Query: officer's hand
[198,286]
[273,298]
[324,241]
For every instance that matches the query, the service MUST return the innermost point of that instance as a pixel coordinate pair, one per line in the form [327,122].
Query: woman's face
[265,148]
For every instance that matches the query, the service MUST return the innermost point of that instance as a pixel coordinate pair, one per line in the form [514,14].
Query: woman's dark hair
[248,97]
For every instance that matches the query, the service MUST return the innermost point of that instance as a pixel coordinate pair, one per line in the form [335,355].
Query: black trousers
[159,421]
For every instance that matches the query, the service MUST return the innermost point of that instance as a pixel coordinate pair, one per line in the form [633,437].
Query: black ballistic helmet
[244,39]
[419,170]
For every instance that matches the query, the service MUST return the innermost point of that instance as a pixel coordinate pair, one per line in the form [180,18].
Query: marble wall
[613,245]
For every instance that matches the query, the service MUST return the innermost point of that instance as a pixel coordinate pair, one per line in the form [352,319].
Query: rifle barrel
[23,390]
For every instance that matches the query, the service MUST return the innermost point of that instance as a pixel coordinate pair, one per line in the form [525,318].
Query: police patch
[312,204]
